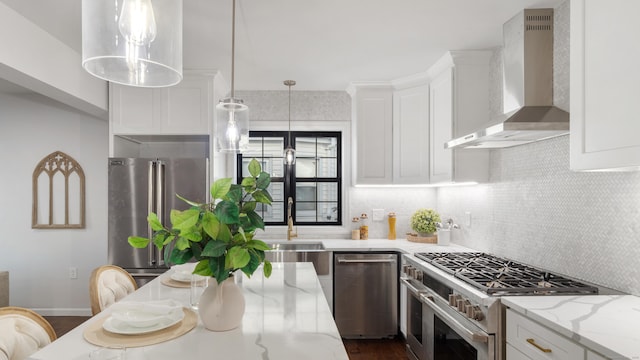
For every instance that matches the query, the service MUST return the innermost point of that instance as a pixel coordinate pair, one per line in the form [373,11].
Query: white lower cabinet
[538,342]
[529,340]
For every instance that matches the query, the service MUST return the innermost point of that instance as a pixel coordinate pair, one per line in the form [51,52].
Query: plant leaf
[262,196]
[184,219]
[153,220]
[248,182]
[159,238]
[220,188]
[235,194]
[264,180]
[227,212]
[224,234]
[182,243]
[254,168]
[258,245]
[238,257]
[210,224]
[218,270]
[253,264]
[255,219]
[202,268]
[138,242]
[249,206]
[180,256]
[214,248]
[267,268]
[192,203]
[191,234]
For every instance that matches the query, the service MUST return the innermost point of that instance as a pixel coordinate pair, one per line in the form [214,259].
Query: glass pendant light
[289,152]
[133,42]
[232,115]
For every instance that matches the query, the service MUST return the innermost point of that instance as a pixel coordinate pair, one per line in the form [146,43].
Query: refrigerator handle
[160,167]
[151,253]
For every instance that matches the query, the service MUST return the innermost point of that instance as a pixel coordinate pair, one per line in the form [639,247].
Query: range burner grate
[498,276]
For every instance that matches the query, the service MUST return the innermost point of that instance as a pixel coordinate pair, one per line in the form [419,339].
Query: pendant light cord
[233,47]
[289,115]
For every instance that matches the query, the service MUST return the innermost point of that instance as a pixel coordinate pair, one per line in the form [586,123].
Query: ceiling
[322,44]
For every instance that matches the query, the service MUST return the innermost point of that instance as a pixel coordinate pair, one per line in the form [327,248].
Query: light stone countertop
[401,245]
[606,324]
[286,317]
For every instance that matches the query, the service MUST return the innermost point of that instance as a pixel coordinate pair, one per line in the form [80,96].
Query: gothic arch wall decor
[58,166]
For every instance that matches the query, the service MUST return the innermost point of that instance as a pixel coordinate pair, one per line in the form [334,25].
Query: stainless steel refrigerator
[138,186]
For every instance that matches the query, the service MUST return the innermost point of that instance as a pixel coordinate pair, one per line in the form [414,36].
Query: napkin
[157,307]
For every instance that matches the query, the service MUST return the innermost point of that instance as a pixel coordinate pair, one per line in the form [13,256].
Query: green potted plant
[220,236]
[423,221]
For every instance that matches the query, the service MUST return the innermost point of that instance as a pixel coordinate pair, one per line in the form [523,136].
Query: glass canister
[364,227]
[392,226]
[355,231]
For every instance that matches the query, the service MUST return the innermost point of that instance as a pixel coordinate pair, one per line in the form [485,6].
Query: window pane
[272,166]
[273,213]
[305,215]
[306,147]
[327,167]
[327,147]
[328,212]
[255,148]
[305,192]
[274,147]
[305,167]
[276,189]
[327,192]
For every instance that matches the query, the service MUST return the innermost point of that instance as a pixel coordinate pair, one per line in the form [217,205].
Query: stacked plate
[132,318]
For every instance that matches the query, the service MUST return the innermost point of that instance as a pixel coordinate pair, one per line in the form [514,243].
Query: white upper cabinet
[183,109]
[372,127]
[458,104]
[605,53]
[411,135]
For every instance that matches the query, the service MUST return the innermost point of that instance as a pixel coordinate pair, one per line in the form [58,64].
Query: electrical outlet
[378,214]
[73,273]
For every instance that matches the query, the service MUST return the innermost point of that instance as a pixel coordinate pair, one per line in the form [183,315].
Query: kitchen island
[286,317]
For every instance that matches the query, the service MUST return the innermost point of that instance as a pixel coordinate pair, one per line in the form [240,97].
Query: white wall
[31,127]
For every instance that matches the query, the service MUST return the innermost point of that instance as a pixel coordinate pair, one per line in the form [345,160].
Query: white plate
[118,327]
[181,276]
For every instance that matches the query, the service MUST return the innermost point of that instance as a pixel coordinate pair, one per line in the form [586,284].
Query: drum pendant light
[133,42]
[289,152]
[232,115]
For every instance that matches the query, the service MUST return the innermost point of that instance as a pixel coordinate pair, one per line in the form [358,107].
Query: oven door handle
[455,324]
[414,290]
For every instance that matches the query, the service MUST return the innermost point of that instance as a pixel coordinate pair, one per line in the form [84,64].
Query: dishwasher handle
[355,261]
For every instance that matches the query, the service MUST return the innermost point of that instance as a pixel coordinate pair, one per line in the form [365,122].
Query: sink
[288,246]
[313,252]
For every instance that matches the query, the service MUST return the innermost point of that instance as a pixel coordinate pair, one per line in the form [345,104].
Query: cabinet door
[411,136]
[441,119]
[186,107]
[373,123]
[133,110]
[605,53]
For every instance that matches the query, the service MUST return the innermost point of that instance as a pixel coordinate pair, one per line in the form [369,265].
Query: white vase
[221,306]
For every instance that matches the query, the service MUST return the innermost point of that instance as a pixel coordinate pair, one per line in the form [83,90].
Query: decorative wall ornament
[46,213]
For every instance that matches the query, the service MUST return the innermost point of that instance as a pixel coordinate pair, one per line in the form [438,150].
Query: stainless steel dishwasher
[366,294]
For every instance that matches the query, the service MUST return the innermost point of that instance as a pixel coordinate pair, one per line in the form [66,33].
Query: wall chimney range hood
[527,87]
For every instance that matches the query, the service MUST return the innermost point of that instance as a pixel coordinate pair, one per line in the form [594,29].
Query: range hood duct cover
[527,88]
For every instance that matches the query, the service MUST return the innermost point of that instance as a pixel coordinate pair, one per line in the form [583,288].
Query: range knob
[474,312]
[405,268]
[462,305]
[418,275]
[453,300]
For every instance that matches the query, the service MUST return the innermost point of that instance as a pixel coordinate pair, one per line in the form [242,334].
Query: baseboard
[63,312]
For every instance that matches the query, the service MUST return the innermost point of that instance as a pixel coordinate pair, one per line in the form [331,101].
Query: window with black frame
[314,182]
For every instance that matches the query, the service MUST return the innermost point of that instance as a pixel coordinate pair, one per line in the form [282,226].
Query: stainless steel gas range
[453,302]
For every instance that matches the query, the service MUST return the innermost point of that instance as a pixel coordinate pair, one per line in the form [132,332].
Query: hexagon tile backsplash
[536,211]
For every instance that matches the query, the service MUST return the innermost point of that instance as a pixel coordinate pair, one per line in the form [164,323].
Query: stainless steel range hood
[528,87]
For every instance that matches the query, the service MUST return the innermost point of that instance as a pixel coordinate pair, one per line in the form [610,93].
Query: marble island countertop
[286,317]
[606,324]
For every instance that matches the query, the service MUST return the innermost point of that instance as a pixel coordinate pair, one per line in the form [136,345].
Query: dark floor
[383,349]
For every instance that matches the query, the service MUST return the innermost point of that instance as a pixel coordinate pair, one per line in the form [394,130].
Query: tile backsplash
[537,211]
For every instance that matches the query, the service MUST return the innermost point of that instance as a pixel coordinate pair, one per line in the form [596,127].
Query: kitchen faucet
[290,233]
